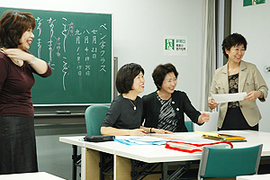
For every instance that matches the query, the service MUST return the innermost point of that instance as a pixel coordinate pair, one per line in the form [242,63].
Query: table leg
[91,162]
[164,170]
[122,168]
[83,163]
[74,158]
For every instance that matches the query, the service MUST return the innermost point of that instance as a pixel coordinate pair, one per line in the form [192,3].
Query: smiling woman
[124,116]
[26,39]
[17,144]
[235,77]
[163,110]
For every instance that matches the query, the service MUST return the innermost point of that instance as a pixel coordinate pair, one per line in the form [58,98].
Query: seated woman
[124,116]
[164,109]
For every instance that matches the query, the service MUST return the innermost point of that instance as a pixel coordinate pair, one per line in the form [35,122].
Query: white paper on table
[222,98]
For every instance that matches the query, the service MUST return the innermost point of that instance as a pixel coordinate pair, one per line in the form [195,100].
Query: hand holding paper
[253,95]
[212,104]
[222,98]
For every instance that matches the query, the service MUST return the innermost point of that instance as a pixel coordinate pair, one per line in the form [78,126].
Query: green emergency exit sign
[252,2]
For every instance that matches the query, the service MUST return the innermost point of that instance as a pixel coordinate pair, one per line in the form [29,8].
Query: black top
[122,114]
[233,88]
[180,103]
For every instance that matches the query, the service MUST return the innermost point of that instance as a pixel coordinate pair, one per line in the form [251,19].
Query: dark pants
[17,145]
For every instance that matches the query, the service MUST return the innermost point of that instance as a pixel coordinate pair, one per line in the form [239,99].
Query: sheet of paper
[222,98]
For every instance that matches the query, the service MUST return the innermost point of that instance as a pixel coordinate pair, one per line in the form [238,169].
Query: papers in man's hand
[222,98]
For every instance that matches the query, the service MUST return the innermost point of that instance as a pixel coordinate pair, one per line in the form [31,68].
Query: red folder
[193,147]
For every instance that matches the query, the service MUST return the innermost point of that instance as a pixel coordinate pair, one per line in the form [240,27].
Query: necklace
[133,105]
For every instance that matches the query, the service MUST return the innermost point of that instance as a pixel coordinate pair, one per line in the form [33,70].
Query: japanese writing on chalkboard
[88,44]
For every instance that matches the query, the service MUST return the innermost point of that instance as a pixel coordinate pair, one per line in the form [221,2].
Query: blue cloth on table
[140,141]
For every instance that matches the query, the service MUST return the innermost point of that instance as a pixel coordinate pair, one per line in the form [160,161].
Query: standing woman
[124,116]
[17,136]
[235,77]
[163,109]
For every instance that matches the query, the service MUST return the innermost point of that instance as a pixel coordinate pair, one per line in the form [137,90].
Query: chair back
[189,126]
[94,116]
[228,163]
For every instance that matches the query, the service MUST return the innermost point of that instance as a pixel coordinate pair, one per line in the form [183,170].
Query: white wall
[139,30]
[254,23]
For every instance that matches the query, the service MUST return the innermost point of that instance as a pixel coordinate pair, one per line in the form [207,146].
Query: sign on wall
[252,2]
[175,46]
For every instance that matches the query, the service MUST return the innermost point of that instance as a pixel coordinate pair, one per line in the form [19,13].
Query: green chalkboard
[78,47]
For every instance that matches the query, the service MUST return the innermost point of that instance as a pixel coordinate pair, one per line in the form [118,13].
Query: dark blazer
[180,103]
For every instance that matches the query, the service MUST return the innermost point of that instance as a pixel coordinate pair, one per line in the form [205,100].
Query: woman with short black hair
[163,110]
[238,76]
[126,75]
[124,116]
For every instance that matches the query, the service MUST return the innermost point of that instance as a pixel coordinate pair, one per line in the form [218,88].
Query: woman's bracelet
[32,61]
[150,130]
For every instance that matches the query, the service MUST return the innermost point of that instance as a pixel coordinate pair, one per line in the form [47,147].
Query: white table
[254,177]
[149,153]
[30,176]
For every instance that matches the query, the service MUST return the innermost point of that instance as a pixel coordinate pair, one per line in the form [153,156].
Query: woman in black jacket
[164,109]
